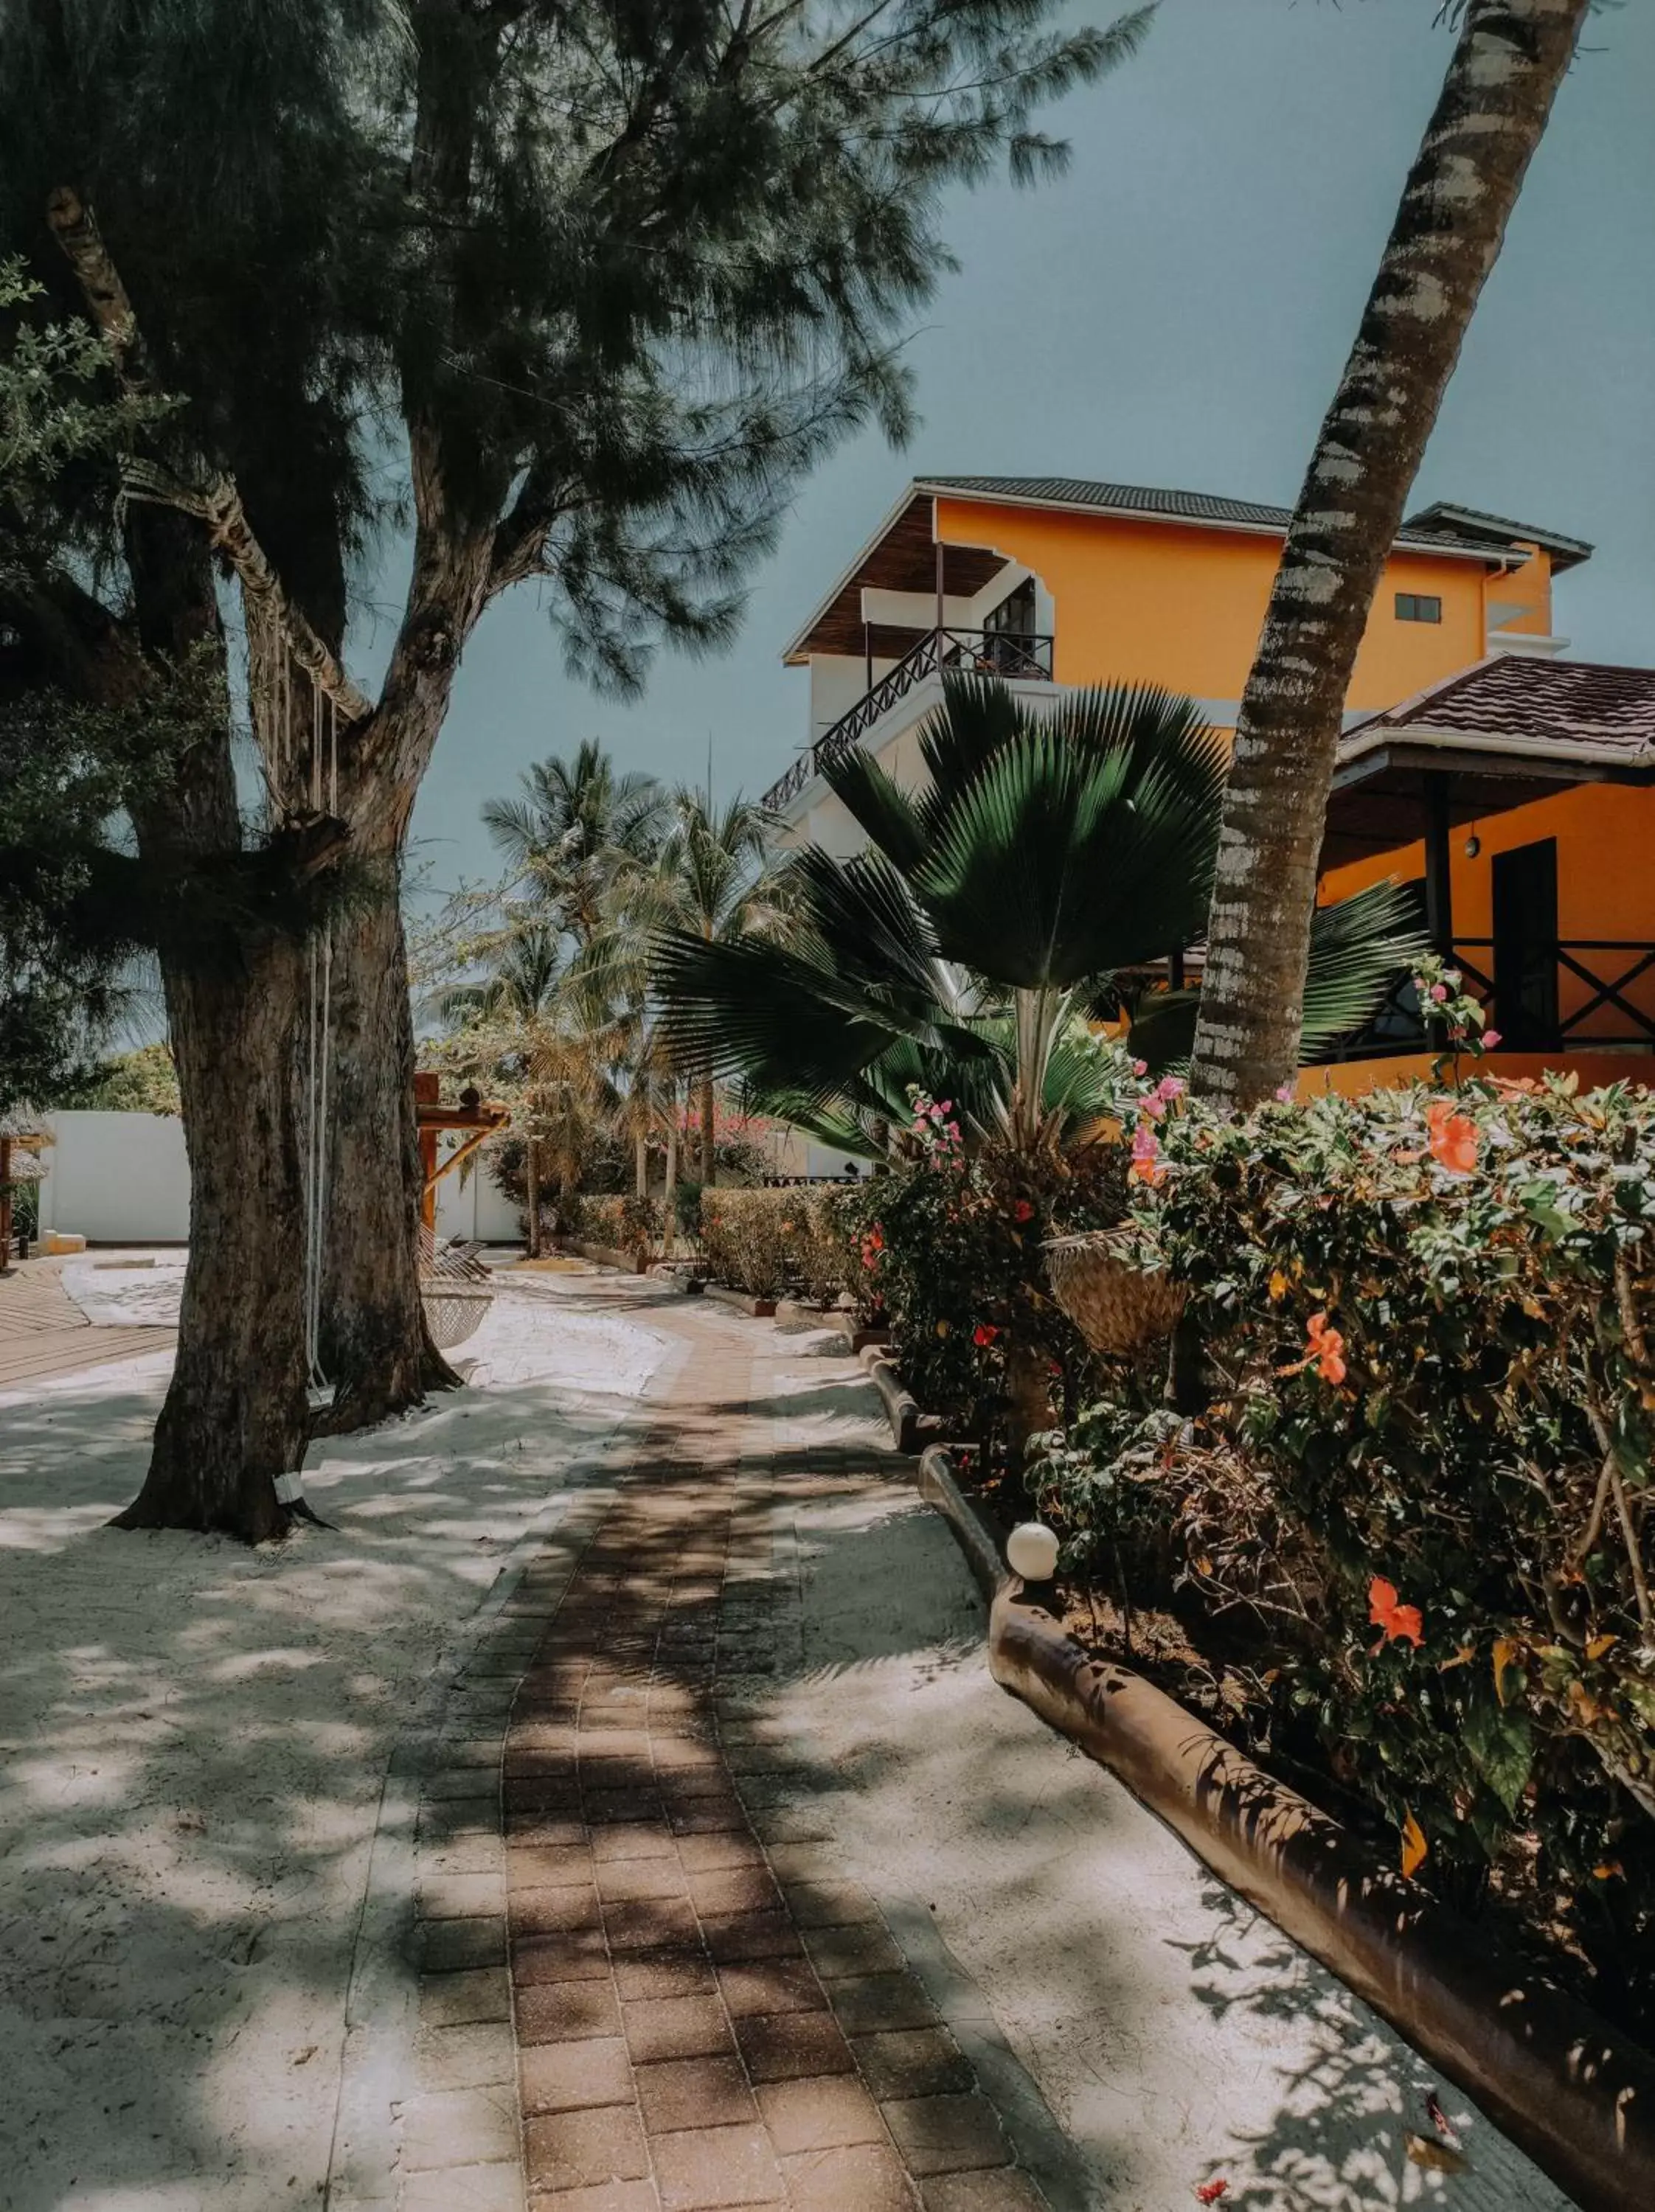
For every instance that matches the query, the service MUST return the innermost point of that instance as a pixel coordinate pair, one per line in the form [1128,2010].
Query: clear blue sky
[1176,311]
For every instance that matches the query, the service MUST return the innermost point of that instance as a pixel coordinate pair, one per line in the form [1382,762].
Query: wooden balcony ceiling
[903,558]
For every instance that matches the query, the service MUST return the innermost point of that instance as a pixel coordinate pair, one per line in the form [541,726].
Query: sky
[1176,311]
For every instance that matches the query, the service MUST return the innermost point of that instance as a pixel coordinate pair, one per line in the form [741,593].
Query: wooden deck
[43,1333]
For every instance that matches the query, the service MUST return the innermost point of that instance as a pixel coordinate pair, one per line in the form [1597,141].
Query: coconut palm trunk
[1508,62]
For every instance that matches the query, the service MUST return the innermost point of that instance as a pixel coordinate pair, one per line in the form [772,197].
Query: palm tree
[713,883]
[575,824]
[1509,59]
[1055,860]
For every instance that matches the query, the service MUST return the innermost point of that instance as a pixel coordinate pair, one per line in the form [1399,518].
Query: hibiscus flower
[1453,1140]
[984,1333]
[1324,1349]
[1146,1157]
[1398,1621]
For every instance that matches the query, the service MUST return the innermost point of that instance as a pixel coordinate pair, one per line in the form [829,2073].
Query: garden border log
[1577,2096]
[742,1302]
[901,1407]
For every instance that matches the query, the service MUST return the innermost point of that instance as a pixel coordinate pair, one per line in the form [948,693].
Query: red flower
[1023,1211]
[1210,2191]
[985,1332]
[1324,1349]
[1453,1138]
[1397,1620]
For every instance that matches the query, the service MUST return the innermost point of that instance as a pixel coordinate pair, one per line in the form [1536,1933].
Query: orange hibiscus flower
[1398,1621]
[1453,1140]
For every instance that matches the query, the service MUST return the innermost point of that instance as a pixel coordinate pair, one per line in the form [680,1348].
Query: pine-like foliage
[597,280]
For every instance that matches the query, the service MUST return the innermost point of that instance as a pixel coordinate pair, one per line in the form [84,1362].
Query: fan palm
[1055,858]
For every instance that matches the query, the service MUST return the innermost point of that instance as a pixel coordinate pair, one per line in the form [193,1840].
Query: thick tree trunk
[641,1165]
[375,1348]
[1507,65]
[708,1134]
[235,1415]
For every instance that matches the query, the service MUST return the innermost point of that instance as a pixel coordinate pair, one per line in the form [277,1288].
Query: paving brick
[916,2062]
[650,1924]
[704,2167]
[704,1816]
[544,1832]
[1003,2190]
[693,2093]
[830,1904]
[867,2003]
[819,2112]
[557,1911]
[541,1866]
[723,1890]
[865,2178]
[618,1878]
[603,1805]
[948,2135]
[790,2045]
[723,1849]
[752,1935]
[479,2056]
[686,1971]
[677,2027]
[450,1784]
[453,2000]
[622,1841]
[769,1985]
[582,1956]
[566,2012]
[458,2127]
[565,2077]
[866,1949]
[579,2150]
[447,1947]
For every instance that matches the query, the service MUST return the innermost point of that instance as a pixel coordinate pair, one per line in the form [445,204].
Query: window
[1418,606]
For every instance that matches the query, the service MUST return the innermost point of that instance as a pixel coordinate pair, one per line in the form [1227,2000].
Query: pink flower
[1286,1094]
[1439,991]
[1153,1105]
[1170,1087]
[953,1132]
[1146,1156]
[936,1111]
[1490,1039]
[946,1107]
[1140,1068]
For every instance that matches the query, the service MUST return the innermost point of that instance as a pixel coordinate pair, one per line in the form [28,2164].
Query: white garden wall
[117,1178]
[122,1179]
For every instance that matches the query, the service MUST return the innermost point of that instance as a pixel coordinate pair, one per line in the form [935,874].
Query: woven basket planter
[1118,1308]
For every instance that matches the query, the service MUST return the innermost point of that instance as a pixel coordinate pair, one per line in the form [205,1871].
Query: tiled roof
[1436,529]
[1563,703]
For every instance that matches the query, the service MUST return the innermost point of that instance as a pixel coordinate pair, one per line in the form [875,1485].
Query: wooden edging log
[1577,2097]
[741,1301]
[901,1407]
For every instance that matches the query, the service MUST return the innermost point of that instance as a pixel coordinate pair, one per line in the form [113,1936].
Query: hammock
[455,1289]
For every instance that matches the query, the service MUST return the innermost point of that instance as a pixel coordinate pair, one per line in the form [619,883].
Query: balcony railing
[1013,656]
[1580,994]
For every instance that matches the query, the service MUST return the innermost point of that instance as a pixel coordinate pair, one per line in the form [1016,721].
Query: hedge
[768,1242]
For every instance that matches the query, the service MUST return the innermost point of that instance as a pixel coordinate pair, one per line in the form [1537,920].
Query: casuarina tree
[585,286]
[1509,60]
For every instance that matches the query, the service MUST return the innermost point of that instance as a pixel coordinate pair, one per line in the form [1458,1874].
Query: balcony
[1011,656]
[1560,999]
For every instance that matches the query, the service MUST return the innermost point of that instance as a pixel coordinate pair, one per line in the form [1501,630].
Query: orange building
[1510,784]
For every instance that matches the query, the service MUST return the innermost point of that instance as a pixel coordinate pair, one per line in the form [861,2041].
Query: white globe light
[1031,1550]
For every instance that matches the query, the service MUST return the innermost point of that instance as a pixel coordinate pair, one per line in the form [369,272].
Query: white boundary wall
[117,1178]
[120,1178]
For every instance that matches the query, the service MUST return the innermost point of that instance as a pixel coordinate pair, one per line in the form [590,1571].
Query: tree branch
[215,501]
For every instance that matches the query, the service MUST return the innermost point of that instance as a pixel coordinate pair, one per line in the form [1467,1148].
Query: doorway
[1525,945]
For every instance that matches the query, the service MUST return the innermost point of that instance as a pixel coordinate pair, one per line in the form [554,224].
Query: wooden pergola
[472,1117]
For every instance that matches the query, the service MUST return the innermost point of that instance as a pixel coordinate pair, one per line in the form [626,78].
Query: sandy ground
[1176,2037]
[194,1740]
[127,1289]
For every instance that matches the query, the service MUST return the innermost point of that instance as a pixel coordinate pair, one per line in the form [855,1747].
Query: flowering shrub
[1427,1467]
[622,1224]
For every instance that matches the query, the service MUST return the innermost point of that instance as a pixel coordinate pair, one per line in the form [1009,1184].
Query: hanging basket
[1117,1307]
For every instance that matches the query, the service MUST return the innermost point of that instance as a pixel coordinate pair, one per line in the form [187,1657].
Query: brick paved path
[703,2014]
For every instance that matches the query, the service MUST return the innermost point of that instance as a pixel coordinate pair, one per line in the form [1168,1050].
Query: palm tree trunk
[670,1233]
[640,1163]
[1507,65]
[708,1134]
[531,1192]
